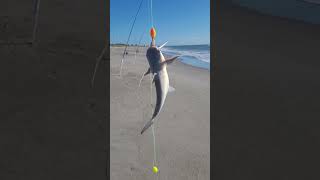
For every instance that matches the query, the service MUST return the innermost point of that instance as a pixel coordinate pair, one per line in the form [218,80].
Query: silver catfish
[158,68]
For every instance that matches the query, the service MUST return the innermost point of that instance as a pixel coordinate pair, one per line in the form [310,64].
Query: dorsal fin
[163,45]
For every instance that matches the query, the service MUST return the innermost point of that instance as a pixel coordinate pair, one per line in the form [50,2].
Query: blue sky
[180,22]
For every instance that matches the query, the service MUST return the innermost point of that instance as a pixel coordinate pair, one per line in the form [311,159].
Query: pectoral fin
[170,60]
[171,89]
[146,73]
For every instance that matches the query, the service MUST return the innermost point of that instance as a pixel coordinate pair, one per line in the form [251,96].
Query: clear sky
[180,22]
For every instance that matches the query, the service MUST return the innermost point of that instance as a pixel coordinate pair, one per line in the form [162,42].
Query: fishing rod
[134,21]
[137,50]
[105,48]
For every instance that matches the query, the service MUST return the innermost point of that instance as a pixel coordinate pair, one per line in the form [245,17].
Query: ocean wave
[195,55]
[202,55]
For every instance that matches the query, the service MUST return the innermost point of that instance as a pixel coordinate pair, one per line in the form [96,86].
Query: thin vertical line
[151,13]
[134,21]
[154,146]
[35,20]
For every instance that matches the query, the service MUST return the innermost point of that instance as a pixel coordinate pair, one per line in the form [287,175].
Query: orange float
[153,33]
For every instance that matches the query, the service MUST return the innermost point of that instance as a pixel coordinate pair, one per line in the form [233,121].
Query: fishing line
[143,32]
[105,48]
[134,21]
[151,13]
[145,29]
[155,169]
[135,56]
[154,146]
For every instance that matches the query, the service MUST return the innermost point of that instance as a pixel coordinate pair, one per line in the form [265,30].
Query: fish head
[155,57]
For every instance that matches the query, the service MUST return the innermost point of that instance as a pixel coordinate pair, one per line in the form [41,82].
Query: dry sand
[182,129]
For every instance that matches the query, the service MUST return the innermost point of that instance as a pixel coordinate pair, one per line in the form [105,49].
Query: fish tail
[149,123]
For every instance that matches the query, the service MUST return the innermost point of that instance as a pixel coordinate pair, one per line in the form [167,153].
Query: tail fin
[149,123]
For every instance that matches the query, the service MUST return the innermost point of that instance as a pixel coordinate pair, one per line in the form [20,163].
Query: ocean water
[195,55]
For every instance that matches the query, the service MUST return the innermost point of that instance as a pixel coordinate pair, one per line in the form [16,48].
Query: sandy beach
[182,129]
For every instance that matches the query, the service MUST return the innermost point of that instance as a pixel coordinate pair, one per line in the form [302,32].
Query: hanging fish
[158,68]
